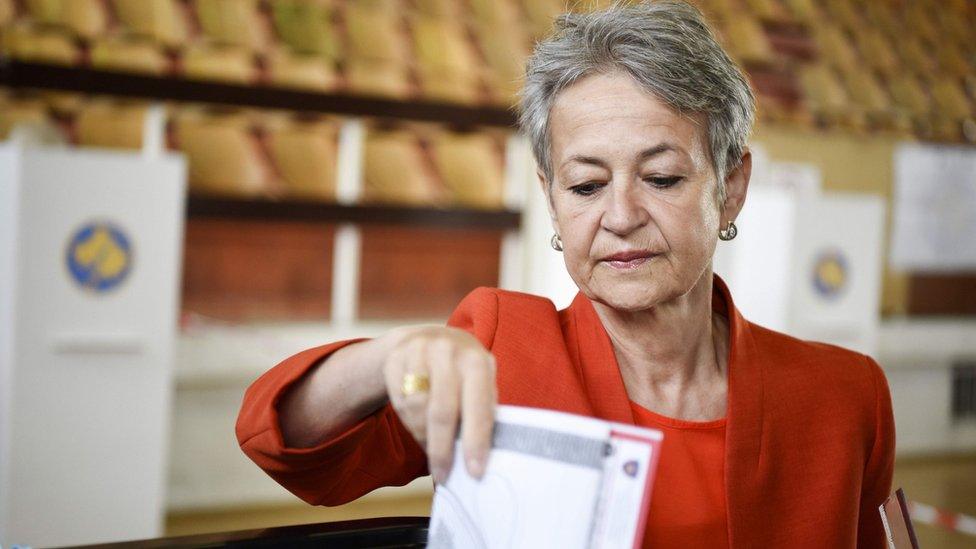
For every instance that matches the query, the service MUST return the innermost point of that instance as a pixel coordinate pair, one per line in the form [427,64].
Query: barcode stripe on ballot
[553,445]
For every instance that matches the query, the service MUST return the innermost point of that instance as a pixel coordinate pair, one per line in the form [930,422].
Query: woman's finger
[402,361]
[477,409]
[442,408]
[415,404]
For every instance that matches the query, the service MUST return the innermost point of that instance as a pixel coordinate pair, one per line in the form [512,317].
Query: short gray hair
[666,47]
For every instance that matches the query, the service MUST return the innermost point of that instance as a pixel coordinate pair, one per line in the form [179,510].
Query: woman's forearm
[334,395]
[459,396]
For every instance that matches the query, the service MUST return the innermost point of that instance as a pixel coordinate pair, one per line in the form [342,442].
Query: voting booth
[805,262]
[90,253]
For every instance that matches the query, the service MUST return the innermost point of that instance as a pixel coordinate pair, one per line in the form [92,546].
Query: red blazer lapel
[597,363]
[744,428]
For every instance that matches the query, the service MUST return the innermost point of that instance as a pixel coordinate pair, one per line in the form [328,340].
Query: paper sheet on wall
[552,480]
[934,208]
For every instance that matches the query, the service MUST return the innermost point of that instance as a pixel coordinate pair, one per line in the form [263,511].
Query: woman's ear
[736,186]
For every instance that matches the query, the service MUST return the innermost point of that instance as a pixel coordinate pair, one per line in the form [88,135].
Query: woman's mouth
[628,260]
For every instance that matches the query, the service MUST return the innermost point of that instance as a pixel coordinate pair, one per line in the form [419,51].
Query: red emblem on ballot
[631,468]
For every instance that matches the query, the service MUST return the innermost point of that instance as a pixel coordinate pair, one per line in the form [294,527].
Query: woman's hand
[461,376]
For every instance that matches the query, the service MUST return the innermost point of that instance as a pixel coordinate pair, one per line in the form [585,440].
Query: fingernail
[476,466]
[439,474]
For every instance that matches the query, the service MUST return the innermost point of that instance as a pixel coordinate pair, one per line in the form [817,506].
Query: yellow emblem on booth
[830,273]
[99,256]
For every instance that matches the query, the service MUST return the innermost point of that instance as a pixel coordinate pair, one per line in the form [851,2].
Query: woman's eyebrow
[649,152]
[582,159]
[660,149]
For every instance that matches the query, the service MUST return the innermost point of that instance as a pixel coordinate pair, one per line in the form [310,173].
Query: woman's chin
[629,298]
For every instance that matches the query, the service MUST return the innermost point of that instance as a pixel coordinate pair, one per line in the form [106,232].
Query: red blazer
[809,439]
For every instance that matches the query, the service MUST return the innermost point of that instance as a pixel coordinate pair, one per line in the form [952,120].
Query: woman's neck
[673,358]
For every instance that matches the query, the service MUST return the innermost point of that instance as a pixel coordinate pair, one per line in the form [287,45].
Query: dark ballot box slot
[386,533]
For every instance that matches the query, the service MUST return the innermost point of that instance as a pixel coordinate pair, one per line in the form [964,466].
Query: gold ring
[414,383]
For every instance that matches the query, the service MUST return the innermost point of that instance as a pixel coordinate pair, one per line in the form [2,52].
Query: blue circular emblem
[99,256]
[830,274]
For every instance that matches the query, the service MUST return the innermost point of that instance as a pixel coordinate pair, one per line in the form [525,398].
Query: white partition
[758,264]
[836,291]
[544,269]
[90,253]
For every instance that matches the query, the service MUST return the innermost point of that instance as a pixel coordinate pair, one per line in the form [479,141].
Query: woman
[638,121]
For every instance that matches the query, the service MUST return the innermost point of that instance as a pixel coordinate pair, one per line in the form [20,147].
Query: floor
[945,482]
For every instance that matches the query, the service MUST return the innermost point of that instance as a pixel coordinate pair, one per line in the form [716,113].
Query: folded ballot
[552,480]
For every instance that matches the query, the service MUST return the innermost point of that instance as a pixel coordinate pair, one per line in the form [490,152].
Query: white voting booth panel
[837,288]
[90,251]
[544,270]
[757,265]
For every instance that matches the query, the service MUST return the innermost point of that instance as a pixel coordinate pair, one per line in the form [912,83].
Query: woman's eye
[586,189]
[664,182]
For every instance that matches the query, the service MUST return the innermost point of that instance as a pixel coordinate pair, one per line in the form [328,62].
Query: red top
[688,502]
[809,434]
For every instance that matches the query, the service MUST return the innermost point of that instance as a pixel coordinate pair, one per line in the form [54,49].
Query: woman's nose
[624,212]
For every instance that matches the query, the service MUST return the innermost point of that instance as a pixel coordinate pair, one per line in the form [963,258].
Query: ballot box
[387,532]
[90,249]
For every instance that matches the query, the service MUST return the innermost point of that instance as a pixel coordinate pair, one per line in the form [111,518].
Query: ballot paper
[552,480]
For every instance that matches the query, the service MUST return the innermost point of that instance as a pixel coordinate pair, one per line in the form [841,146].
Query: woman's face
[634,195]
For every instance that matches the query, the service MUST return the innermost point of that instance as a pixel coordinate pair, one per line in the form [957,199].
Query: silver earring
[729,232]
[556,243]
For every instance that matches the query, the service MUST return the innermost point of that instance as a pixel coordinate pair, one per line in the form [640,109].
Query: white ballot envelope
[552,480]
